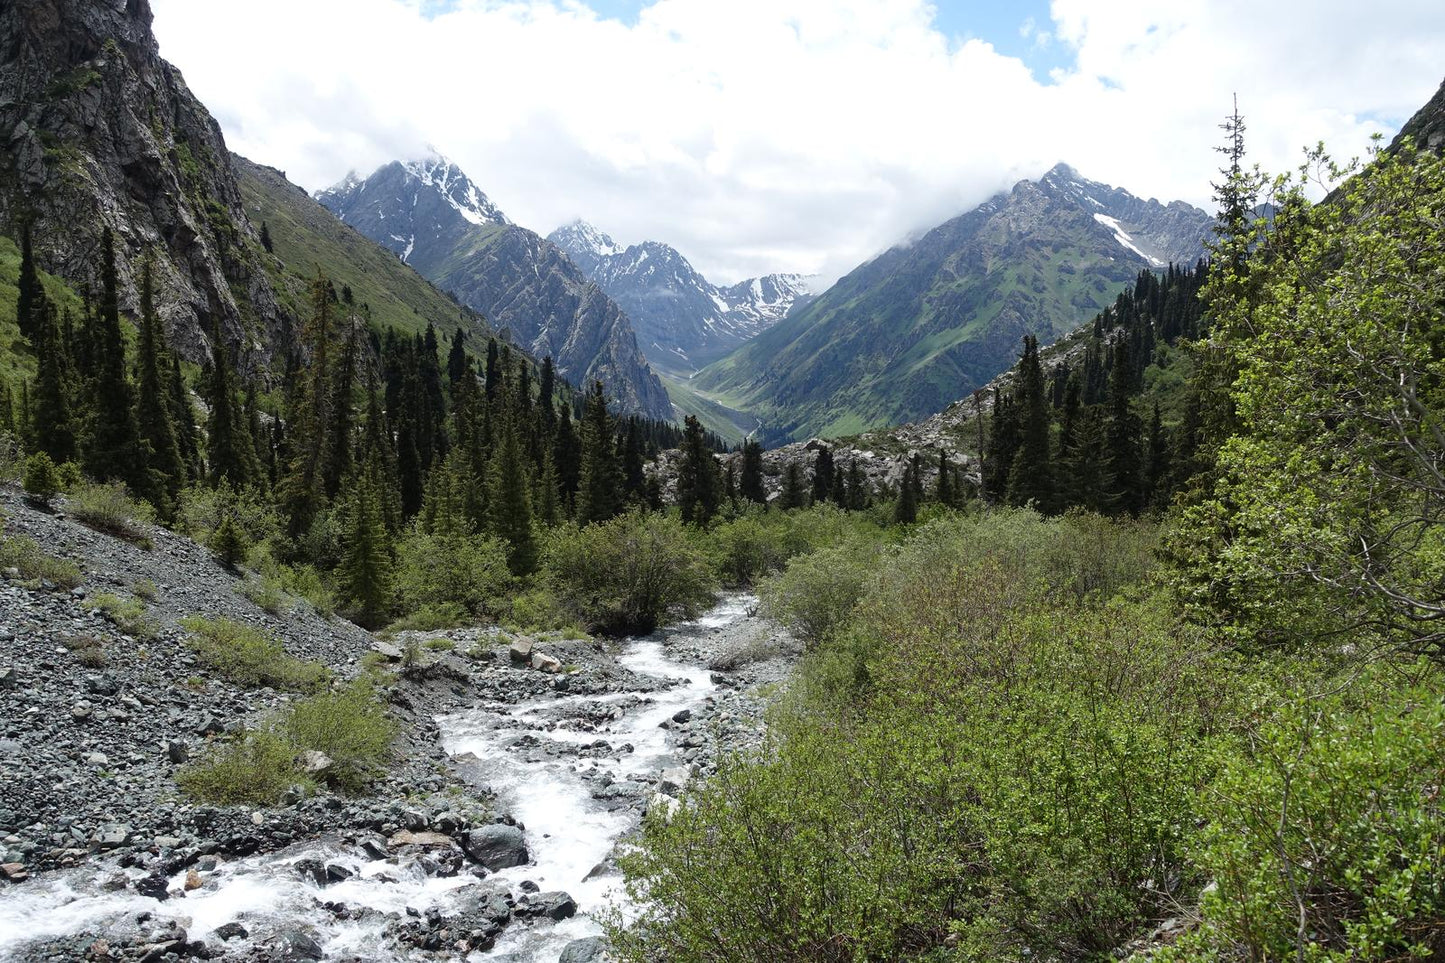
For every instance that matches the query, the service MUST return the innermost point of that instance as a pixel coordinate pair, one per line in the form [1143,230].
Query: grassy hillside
[306,238]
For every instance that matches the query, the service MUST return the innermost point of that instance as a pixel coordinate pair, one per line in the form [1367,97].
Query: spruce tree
[1156,461]
[112,448]
[567,454]
[944,491]
[822,476]
[232,453]
[302,491]
[1003,444]
[166,470]
[634,479]
[366,563]
[51,425]
[546,403]
[1030,477]
[183,417]
[31,295]
[858,496]
[1122,438]
[751,485]
[509,503]
[905,509]
[599,480]
[794,494]
[699,488]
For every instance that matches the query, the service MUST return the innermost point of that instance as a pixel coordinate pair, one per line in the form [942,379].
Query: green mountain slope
[923,324]
[306,237]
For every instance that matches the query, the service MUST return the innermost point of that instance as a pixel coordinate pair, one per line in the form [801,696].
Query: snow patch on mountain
[1122,236]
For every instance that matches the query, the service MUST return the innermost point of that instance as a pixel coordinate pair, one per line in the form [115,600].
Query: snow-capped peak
[580,237]
[435,170]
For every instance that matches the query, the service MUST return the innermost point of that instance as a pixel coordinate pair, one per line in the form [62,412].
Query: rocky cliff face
[99,131]
[432,217]
[1427,126]
[683,321]
[930,320]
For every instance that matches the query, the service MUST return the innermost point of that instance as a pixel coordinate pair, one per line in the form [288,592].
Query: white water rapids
[569,834]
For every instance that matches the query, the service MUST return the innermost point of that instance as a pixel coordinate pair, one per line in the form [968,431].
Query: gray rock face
[592,949]
[431,216]
[497,846]
[97,130]
[683,321]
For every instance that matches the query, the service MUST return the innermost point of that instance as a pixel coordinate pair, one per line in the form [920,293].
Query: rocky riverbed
[521,765]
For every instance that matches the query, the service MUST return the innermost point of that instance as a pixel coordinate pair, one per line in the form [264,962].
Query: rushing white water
[570,835]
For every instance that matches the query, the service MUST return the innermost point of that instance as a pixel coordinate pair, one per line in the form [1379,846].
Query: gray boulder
[497,846]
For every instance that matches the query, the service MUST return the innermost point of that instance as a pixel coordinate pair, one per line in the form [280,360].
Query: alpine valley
[382,580]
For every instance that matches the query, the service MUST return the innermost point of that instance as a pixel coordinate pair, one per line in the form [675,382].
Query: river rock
[497,846]
[554,905]
[315,761]
[156,886]
[521,651]
[545,663]
[408,838]
[592,949]
[673,780]
[231,931]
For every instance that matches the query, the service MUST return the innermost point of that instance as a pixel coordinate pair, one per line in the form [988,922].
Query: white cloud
[765,135]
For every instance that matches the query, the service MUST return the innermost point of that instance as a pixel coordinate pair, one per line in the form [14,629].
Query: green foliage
[108,507]
[251,657]
[431,618]
[816,594]
[1324,832]
[129,615]
[466,571]
[42,480]
[1328,502]
[629,574]
[1014,774]
[26,555]
[350,727]
[228,541]
[255,769]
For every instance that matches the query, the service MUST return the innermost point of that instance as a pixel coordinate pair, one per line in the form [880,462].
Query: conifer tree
[340,442]
[699,488]
[1122,438]
[1030,477]
[31,295]
[794,494]
[1156,461]
[183,417]
[599,476]
[1003,444]
[634,480]
[858,496]
[232,453]
[546,404]
[112,448]
[302,488]
[945,491]
[51,425]
[905,509]
[548,500]
[822,476]
[366,563]
[508,501]
[567,454]
[751,485]
[166,472]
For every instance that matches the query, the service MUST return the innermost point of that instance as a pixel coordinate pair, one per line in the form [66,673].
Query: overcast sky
[795,135]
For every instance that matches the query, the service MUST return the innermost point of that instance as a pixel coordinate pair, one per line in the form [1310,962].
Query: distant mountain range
[431,215]
[683,321]
[926,322]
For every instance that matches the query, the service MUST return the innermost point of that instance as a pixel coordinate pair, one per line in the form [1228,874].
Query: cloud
[807,135]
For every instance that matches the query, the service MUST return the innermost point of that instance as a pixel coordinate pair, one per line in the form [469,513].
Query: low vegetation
[26,556]
[250,656]
[128,615]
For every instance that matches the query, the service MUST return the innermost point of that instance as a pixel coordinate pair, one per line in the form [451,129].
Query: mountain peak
[582,238]
[437,171]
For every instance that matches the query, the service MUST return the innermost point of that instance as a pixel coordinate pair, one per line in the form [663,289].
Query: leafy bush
[431,618]
[629,574]
[145,589]
[350,727]
[267,593]
[108,507]
[255,769]
[469,571]
[12,456]
[42,480]
[758,542]
[88,650]
[816,595]
[203,508]
[24,553]
[300,581]
[249,656]
[538,610]
[973,758]
[1325,832]
[129,615]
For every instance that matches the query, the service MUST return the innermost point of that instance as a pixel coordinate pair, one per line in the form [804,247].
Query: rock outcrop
[99,131]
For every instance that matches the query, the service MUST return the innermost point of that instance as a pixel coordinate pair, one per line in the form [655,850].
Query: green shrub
[145,589]
[815,595]
[129,615]
[108,507]
[431,618]
[228,541]
[469,571]
[255,769]
[89,650]
[12,456]
[251,657]
[350,727]
[440,645]
[300,580]
[629,574]
[267,593]
[1325,832]
[24,553]
[42,480]
[202,509]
